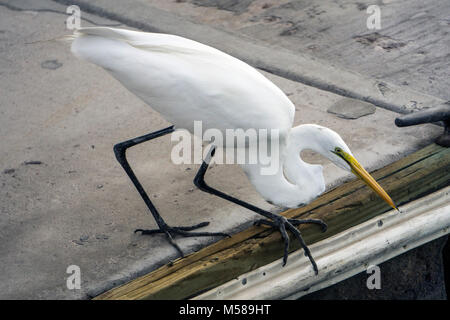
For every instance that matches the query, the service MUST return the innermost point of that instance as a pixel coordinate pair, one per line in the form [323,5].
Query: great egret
[187,81]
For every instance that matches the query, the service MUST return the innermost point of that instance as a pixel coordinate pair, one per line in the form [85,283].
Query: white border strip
[345,254]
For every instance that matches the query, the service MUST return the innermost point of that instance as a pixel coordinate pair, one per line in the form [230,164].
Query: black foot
[282,223]
[171,232]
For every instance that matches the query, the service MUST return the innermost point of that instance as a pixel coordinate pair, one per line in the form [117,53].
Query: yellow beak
[361,173]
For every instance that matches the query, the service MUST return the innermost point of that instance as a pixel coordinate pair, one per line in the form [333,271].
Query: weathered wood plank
[412,177]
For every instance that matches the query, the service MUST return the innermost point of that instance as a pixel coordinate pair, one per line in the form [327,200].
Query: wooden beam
[412,177]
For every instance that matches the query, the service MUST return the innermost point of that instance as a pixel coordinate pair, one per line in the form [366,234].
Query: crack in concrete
[14,8]
[100,12]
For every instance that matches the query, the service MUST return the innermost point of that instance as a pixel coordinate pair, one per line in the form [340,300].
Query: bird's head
[336,150]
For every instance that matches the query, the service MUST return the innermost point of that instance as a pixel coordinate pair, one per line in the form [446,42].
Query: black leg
[276,220]
[170,232]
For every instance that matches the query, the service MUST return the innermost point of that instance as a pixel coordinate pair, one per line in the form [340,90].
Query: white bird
[186,81]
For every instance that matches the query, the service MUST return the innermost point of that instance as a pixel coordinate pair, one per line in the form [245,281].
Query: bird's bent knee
[200,184]
[119,151]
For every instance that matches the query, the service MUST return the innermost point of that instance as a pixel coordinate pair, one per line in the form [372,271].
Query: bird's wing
[185,80]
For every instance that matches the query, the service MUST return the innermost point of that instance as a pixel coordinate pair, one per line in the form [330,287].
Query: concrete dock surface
[64,199]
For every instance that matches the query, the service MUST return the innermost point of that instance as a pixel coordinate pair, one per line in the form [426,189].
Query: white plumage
[186,81]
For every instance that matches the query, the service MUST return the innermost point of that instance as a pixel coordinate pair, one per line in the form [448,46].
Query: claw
[148,232]
[297,222]
[282,224]
[171,232]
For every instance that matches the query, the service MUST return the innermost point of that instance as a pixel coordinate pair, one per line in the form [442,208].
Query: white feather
[187,81]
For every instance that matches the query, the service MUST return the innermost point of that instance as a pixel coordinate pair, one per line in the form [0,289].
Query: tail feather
[148,41]
[67,38]
[107,32]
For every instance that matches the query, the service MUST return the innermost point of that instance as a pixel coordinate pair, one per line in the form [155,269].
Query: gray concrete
[297,66]
[411,49]
[351,108]
[64,199]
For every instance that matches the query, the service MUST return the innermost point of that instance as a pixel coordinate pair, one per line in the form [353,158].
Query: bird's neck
[307,177]
[295,182]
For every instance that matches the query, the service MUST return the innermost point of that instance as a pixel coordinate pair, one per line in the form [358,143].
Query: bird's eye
[337,149]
